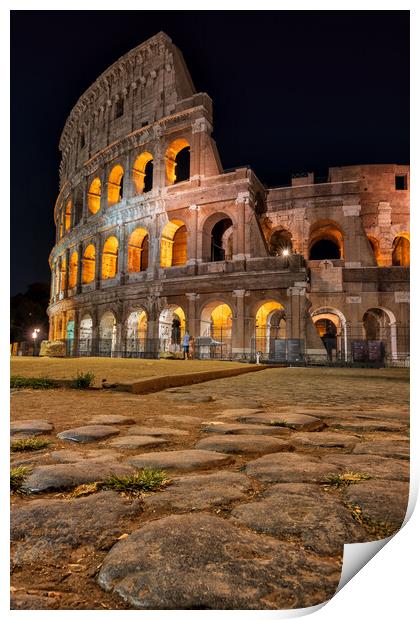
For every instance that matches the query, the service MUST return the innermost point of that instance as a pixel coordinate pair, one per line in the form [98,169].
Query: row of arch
[173,252]
[177,169]
[326,242]
[215,329]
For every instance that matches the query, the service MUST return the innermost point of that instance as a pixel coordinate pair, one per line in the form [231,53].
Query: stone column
[66,283]
[77,317]
[98,260]
[192,237]
[104,190]
[238,325]
[295,317]
[123,254]
[239,250]
[193,325]
[79,268]
[357,251]
[95,332]
[127,186]
[385,240]
[85,211]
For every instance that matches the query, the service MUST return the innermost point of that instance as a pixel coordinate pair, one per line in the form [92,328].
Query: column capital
[242,197]
[240,293]
[192,296]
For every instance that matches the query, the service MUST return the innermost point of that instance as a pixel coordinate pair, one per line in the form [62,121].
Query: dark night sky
[292,91]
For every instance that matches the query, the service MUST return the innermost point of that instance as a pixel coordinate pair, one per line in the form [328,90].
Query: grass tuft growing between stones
[83,380]
[36,383]
[135,484]
[29,444]
[282,423]
[17,477]
[344,480]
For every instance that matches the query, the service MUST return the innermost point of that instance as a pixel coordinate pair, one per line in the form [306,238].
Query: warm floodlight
[285,252]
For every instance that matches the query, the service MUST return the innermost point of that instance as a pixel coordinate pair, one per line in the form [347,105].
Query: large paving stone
[69,475]
[31,427]
[21,600]
[136,441]
[42,530]
[235,414]
[200,492]
[393,448]
[226,428]
[85,434]
[72,456]
[367,426]
[182,420]
[156,431]
[244,444]
[377,466]
[180,460]
[290,467]
[111,419]
[383,501]
[305,514]
[297,421]
[323,440]
[201,561]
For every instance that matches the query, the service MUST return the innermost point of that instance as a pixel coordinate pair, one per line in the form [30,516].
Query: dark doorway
[324,249]
[218,251]
[182,161]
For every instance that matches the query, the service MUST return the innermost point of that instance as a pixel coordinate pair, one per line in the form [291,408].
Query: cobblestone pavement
[248,521]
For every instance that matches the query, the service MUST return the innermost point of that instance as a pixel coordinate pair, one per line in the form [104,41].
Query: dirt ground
[114,370]
[369,408]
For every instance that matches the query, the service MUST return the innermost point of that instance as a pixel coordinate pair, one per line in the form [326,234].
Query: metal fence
[391,348]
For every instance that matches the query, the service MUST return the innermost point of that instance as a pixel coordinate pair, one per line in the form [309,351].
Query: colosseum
[154,238]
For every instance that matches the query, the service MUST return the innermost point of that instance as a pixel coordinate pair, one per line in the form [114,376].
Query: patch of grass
[17,477]
[83,380]
[282,423]
[344,480]
[36,383]
[138,483]
[86,489]
[29,444]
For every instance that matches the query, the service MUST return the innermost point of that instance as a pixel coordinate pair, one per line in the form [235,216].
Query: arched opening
[88,264]
[374,244]
[173,249]
[171,329]
[325,241]
[401,251]
[332,329]
[115,185]
[143,173]
[138,250]
[222,240]
[380,334]
[215,331]
[94,196]
[67,216]
[74,259]
[136,334]
[85,335]
[63,269]
[178,161]
[280,243]
[107,334]
[110,258]
[270,329]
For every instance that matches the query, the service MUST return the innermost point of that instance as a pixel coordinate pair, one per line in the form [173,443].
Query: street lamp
[35,336]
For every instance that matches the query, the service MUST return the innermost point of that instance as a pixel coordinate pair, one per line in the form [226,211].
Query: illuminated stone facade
[154,238]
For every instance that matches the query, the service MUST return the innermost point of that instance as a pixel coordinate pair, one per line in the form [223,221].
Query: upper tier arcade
[145,85]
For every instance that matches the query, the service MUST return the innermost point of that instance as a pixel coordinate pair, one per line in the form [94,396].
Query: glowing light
[35,333]
[285,252]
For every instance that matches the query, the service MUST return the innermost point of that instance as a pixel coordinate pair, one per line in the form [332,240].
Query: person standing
[186,345]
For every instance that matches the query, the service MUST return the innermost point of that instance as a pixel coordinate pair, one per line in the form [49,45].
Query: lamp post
[35,336]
